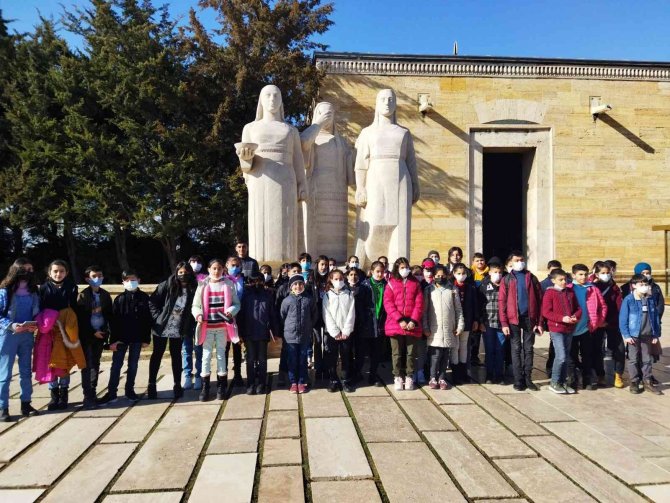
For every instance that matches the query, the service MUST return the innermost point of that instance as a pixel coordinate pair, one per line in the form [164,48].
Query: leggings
[160,343]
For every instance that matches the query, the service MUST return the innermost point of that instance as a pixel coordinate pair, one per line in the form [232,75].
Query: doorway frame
[538,231]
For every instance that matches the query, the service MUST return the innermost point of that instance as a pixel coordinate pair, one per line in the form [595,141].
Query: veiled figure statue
[387,184]
[272,165]
[329,168]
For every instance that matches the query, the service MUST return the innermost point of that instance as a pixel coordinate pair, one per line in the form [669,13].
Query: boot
[649,386]
[618,380]
[28,410]
[152,394]
[63,398]
[204,392]
[237,379]
[90,403]
[455,378]
[221,385]
[4,416]
[463,372]
[54,403]
[177,391]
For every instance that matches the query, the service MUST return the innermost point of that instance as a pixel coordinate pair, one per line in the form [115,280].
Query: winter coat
[656,294]
[487,303]
[311,290]
[66,351]
[442,315]
[508,307]
[257,316]
[469,302]
[377,323]
[249,267]
[595,306]
[630,317]
[161,304]
[85,309]
[339,312]
[46,320]
[613,298]
[131,318]
[8,306]
[557,304]
[52,297]
[403,300]
[365,310]
[298,313]
[200,307]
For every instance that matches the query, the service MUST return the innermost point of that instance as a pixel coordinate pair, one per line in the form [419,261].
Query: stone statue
[272,165]
[329,168]
[387,184]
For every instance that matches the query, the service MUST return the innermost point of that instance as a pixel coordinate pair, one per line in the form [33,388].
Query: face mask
[519,266]
[648,276]
[559,288]
[353,265]
[403,272]
[182,277]
[441,280]
[605,278]
[267,277]
[95,281]
[495,277]
[131,286]
[196,266]
[338,284]
[234,270]
[323,273]
[306,266]
[643,289]
[418,277]
[331,268]
[460,277]
[436,260]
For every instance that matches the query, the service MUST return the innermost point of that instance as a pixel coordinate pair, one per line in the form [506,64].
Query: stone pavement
[471,443]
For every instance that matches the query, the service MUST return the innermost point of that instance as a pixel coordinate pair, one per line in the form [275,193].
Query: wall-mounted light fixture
[425,104]
[597,107]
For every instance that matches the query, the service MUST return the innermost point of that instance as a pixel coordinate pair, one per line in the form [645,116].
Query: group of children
[430,318]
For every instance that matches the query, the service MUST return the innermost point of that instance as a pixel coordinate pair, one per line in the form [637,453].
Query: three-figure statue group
[298,183]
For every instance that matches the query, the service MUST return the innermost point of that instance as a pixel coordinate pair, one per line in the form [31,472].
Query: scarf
[378,289]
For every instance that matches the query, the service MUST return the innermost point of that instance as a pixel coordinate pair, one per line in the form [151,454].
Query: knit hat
[295,279]
[641,266]
[495,261]
[428,263]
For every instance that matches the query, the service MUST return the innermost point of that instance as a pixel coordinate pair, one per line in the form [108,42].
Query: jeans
[160,343]
[439,361]
[89,375]
[640,359]
[559,369]
[11,346]
[283,357]
[421,350]
[459,353]
[187,350]
[550,360]
[60,382]
[372,347]
[342,348]
[522,340]
[617,349]
[474,342]
[237,357]
[403,354]
[494,339]
[296,359]
[215,338]
[257,362]
[134,349]
[578,353]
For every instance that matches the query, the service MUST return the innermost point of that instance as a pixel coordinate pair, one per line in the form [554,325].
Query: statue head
[321,109]
[386,105]
[269,100]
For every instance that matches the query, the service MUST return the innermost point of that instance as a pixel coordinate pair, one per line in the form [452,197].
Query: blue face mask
[305,275]
[95,281]
[131,286]
[306,266]
[234,271]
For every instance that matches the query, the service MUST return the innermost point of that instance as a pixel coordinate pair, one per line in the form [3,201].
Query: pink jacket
[43,344]
[201,307]
[595,307]
[403,299]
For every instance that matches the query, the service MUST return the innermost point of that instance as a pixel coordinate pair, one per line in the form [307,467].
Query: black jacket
[257,315]
[364,306]
[161,304]
[131,318]
[249,267]
[84,311]
[52,297]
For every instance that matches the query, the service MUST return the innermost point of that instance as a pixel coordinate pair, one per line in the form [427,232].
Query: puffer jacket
[442,315]
[298,313]
[595,306]
[403,300]
[339,312]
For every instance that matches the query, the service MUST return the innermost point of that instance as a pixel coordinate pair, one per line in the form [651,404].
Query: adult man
[249,265]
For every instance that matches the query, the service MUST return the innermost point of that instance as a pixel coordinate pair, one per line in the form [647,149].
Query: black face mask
[24,276]
[183,277]
[441,281]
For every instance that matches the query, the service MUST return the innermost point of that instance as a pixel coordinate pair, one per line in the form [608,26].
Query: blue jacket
[630,317]
[298,313]
[7,311]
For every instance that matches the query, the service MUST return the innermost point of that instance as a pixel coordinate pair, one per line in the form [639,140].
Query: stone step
[26,432]
[282,424]
[241,406]
[282,451]
[321,403]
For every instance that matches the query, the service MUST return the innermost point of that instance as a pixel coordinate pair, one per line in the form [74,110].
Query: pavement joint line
[260,447]
[306,473]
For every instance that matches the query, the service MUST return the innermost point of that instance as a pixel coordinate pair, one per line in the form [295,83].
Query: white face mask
[404,272]
[495,277]
[559,288]
[353,265]
[643,289]
[267,277]
[331,268]
[196,266]
[519,266]
[605,277]
[436,260]
[648,276]
[131,286]
[338,284]
[460,277]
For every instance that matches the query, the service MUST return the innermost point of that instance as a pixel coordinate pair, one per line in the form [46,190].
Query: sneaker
[398,383]
[432,384]
[635,388]
[333,386]
[379,383]
[177,391]
[618,380]
[197,385]
[260,389]
[132,396]
[651,388]
[557,388]
[590,387]
[107,399]
[4,416]
[568,389]
[601,382]
[519,387]
[421,377]
[89,403]
[488,381]
[188,383]
[302,388]
[654,381]
[348,387]
[294,388]
[251,390]
[443,384]
[409,383]
[530,385]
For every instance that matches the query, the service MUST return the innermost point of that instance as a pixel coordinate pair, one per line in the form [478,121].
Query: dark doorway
[502,204]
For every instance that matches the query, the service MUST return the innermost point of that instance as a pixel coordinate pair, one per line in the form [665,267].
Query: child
[94,312]
[640,326]
[370,342]
[434,255]
[332,264]
[586,340]
[214,305]
[479,268]
[59,293]
[266,273]
[188,347]
[282,292]
[443,324]
[364,325]
[455,256]
[544,284]
[489,320]
[320,280]
[235,276]
[257,323]
[403,302]
[353,262]
[610,332]
[19,305]
[170,306]
[282,277]
[196,264]
[387,272]
[428,267]
[298,312]
[467,292]
[339,315]
[561,310]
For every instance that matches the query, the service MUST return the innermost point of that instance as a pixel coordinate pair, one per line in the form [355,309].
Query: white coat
[442,315]
[339,314]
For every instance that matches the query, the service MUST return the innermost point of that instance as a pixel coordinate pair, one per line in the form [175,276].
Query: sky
[636,30]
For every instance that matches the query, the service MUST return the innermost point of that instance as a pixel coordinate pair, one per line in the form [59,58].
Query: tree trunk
[17,239]
[170,247]
[71,246]
[120,244]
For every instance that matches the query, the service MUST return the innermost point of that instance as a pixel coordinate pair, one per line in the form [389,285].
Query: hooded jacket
[403,300]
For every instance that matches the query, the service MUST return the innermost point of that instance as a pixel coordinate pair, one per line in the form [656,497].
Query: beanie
[295,279]
[641,266]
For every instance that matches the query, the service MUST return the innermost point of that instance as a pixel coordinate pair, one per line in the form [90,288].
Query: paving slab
[658,493]
[503,389]
[477,477]
[233,437]
[663,462]
[92,474]
[281,484]
[536,409]
[489,435]
[627,465]
[168,446]
[283,399]
[426,416]
[54,454]
[345,491]
[367,390]
[660,440]
[512,500]
[282,451]
[504,412]
[321,403]
[137,423]
[391,461]
[334,450]
[20,495]
[243,406]
[166,497]
[453,396]
[231,475]
[415,394]
[27,432]
[541,482]
[589,476]
[111,410]
[282,424]
[381,420]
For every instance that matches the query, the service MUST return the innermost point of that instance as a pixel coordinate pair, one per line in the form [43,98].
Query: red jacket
[595,306]
[403,299]
[508,308]
[557,304]
[613,298]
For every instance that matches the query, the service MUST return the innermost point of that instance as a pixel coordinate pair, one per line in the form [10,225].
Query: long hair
[321,281]
[396,268]
[16,273]
[175,286]
[331,275]
[259,108]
